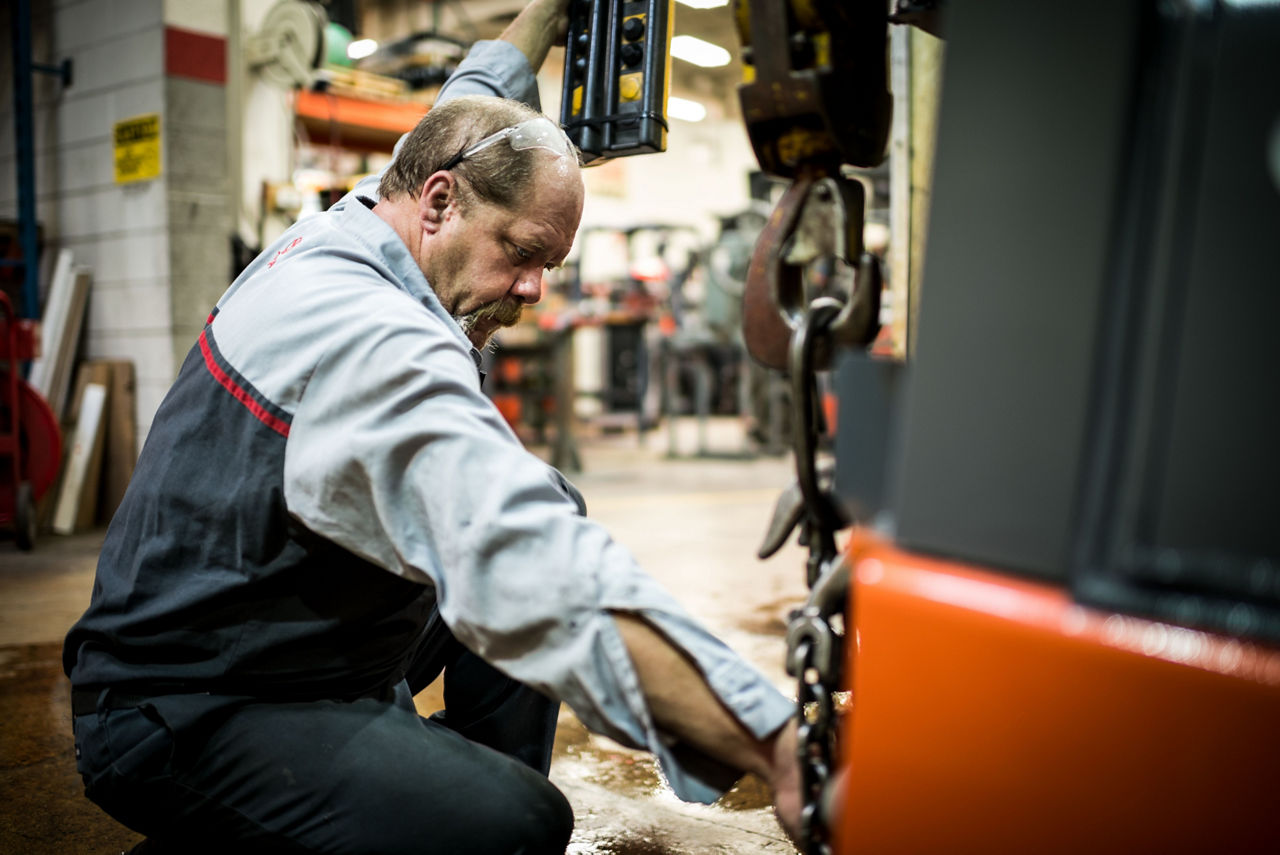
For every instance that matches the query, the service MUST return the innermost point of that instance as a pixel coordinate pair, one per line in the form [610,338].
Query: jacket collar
[361,223]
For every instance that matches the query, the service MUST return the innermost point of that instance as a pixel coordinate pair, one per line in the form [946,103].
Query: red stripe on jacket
[238,392]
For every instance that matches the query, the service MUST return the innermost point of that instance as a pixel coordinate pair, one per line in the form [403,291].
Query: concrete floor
[693,523]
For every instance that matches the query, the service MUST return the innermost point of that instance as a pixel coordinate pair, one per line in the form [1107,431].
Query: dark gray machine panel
[1095,396]
[1031,142]
[1220,463]
[1181,510]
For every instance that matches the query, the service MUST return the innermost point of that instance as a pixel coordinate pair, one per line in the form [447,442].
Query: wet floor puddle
[634,773]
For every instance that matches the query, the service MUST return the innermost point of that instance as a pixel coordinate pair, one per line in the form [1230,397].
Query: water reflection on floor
[622,805]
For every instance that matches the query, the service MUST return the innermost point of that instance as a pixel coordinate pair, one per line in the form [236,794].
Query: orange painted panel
[993,715]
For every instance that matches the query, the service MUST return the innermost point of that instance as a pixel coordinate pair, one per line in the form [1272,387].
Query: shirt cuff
[758,706]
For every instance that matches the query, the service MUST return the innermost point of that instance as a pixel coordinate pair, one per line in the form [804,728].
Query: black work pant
[197,773]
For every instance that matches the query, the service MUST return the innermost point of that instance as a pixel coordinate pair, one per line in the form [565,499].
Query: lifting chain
[815,643]
[814,648]
[816,100]
[819,218]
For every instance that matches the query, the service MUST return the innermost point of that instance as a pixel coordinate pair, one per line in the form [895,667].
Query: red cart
[30,441]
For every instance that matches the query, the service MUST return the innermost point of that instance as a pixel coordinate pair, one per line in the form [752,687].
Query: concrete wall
[117,47]
[159,248]
[196,180]
[199,212]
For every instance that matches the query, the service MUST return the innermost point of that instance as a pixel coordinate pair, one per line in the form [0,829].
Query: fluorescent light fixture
[361,48]
[681,108]
[705,4]
[699,52]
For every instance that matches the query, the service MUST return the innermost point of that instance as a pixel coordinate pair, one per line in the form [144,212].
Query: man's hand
[785,780]
[685,707]
[539,25]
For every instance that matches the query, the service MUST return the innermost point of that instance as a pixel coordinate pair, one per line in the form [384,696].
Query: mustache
[505,312]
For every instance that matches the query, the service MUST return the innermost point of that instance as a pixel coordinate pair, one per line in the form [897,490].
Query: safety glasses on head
[538,132]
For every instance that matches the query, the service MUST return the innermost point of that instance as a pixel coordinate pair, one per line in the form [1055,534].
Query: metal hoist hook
[817,99]
[818,217]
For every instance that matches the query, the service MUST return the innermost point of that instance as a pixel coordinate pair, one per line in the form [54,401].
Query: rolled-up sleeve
[493,68]
[396,455]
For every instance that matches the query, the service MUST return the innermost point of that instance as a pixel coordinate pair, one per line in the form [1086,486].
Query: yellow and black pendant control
[617,72]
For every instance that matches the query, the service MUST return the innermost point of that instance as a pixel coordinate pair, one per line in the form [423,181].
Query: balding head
[499,174]
[486,194]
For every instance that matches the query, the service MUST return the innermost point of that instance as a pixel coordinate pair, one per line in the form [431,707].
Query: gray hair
[497,174]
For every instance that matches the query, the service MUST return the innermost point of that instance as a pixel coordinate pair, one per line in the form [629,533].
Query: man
[328,513]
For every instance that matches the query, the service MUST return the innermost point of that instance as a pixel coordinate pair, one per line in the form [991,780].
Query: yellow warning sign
[137,148]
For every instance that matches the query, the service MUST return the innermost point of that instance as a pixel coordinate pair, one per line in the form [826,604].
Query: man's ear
[434,200]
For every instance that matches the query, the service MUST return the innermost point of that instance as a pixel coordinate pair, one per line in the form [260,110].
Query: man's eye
[521,253]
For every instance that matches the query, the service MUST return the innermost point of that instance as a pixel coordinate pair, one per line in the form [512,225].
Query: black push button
[631,55]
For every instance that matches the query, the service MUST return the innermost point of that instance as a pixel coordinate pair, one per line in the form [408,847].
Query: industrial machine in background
[1057,617]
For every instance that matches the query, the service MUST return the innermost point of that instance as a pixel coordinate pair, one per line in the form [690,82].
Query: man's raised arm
[539,25]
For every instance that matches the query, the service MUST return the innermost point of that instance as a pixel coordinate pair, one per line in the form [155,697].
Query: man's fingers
[785,781]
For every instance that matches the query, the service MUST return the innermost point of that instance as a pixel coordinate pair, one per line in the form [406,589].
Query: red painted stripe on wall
[197,56]
[237,391]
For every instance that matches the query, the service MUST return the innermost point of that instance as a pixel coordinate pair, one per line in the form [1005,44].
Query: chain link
[814,649]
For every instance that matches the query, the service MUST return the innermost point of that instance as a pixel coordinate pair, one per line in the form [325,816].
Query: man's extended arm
[684,706]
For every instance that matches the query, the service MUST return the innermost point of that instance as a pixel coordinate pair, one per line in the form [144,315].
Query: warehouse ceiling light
[698,52]
[705,4]
[361,48]
[689,111]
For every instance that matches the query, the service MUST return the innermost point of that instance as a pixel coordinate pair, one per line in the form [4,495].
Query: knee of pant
[544,820]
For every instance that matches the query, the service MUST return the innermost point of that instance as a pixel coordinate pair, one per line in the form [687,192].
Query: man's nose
[528,286]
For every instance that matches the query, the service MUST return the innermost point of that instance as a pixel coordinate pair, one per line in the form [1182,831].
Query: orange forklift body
[994,715]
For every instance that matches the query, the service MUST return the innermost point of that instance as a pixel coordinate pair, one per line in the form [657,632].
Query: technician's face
[490,266]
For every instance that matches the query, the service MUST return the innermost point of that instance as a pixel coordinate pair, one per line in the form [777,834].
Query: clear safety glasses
[538,132]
